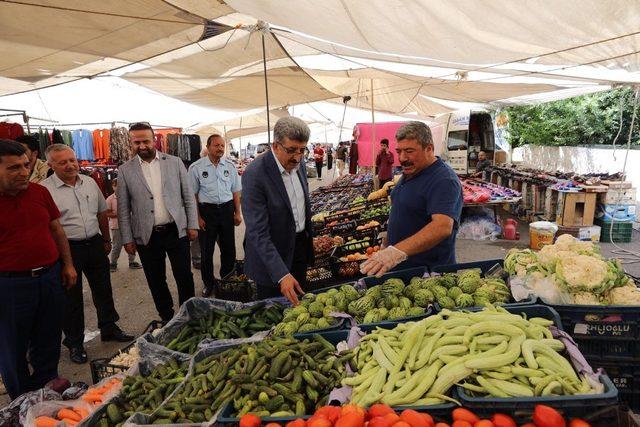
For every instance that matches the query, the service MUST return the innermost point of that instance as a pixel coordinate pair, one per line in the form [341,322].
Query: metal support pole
[266,88]
[373,131]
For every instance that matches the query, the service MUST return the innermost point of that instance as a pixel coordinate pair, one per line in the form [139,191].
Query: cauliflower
[624,295]
[586,298]
[581,273]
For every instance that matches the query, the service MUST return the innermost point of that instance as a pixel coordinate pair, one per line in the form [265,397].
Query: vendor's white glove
[382,261]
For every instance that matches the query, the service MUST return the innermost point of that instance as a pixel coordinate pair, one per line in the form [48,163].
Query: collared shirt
[214,184]
[296,194]
[153,175]
[434,190]
[79,205]
[39,172]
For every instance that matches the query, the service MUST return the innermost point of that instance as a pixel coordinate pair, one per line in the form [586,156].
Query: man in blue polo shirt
[425,207]
[216,184]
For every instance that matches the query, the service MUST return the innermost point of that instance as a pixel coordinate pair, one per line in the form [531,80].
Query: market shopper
[482,166]
[341,158]
[116,236]
[83,216]
[329,158]
[35,267]
[318,157]
[157,217]
[216,184]
[425,207]
[384,163]
[277,213]
[40,170]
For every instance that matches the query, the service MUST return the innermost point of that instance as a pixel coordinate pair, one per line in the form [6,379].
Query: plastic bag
[51,408]
[18,408]
[196,308]
[479,228]
[544,288]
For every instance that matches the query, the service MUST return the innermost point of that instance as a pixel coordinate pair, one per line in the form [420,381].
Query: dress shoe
[78,355]
[115,334]
[113,267]
[135,265]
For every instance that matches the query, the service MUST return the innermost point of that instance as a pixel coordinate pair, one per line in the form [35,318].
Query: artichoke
[397,313]
[464,300]
[411,290]
[307,327]
[393,286]
[323,323]
[439,291]
[446,302]
[423,298]
[454,292]
[415,311]
[350,293]
[328,309]
[316,308]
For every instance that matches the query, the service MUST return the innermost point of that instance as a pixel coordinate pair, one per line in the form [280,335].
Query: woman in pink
[318,156]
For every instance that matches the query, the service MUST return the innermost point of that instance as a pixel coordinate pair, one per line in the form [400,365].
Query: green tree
[584,120]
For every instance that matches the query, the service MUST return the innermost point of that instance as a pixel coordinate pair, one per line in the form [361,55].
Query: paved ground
[133,299]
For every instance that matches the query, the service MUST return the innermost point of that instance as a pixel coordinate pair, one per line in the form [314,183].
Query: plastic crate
[626,378]
[622,231]
[101,368]
[484,266]
[235,290]
[345,270]
[607,333]
[349,215]
[570,406]
[320,276]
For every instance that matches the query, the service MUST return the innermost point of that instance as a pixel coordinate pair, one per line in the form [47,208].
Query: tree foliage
[584,120]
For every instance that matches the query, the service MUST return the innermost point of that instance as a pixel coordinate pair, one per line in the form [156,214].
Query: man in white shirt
[157,217]
[277,214]
[83,215]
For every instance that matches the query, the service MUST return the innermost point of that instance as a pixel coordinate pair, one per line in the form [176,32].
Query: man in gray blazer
[277,213]
[157,216]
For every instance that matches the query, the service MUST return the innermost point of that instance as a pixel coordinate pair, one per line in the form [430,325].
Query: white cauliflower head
[581,272]
[586,298]
[624,295]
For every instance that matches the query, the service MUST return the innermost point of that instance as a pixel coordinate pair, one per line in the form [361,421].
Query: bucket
[541,233]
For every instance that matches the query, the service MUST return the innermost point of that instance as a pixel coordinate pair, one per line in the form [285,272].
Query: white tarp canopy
[244,125]
[49,42]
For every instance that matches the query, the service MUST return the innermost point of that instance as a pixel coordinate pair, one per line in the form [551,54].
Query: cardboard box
[576,209]
[616,212]
[618,196]
[590,233]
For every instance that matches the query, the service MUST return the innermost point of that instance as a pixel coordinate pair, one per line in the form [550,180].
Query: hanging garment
[119,149]
[66,138]
[56,137]
[44,140]
[83,144]
[101,144]
[159,142]
[10,130]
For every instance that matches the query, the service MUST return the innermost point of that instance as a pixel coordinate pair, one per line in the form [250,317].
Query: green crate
[622,231]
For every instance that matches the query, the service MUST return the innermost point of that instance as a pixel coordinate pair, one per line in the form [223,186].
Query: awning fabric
[250,124]
[48,42]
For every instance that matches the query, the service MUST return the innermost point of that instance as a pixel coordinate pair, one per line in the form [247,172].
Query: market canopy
[48,42]
[250,124]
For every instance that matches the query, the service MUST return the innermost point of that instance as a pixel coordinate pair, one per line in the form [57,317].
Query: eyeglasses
[291,151]
[140,125]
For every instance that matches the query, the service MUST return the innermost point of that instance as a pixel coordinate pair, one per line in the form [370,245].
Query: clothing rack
[25,117]
[111,123]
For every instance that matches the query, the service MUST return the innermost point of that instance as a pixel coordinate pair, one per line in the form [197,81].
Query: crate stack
[616,212]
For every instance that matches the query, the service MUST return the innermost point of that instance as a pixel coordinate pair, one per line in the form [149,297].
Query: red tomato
[577,422]
[428,418]
[347,409]
[414,418]
[401,424]
[273,425]
[546,416]
[461,423]
[296,423]
[462,414]
[332,413]
[351,419]
[319,421]
[380,422]
[502,420]
[250,420]
[528,425]
[484,423]
[442,425]
[392,418]
[380,410]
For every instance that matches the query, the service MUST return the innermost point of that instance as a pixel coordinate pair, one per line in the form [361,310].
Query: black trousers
[329,162]
[298,269]
[166,242]
[319,168]
[89,259]
[31,312]
[219,227]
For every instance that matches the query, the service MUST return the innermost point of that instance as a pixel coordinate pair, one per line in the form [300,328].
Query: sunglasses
[291,151]
[140,124]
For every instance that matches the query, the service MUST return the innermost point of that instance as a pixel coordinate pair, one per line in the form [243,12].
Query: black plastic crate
[349,215]
[230,288]
[320,275]
[607,333]
[626,378]
[371,232]
[101,368]
[348,270]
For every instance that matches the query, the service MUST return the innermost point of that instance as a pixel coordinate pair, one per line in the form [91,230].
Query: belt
[164,227]
[34,272]
[83,242]
[214,205]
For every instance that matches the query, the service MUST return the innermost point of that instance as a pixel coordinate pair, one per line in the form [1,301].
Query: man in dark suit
[276,206]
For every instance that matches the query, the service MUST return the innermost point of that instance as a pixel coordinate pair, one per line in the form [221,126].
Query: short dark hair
[30,141]
[385,141]
[11,148]
[141,126]
[215,135]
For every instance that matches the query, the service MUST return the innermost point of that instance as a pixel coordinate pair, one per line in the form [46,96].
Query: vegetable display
[572,271]
[490,353]
[275,377]
[460,290]
[221,324]
[374,212]
[144,393]
[126,358]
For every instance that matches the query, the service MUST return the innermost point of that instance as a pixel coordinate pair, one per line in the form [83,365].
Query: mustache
[405,164]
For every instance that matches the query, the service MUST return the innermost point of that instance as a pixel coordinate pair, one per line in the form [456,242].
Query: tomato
[577,422]
[350,419]
[484,423]
[462,414]
[502,420]
[273,425]
[392,418]
[319,421]
[442,425]
[461,423]
[401,424]
[380,422]
[250,420]
[296,423]
[332,413]
[414,418]
[428,418]
[380,410]
[528,425]
[546,416]
[347,409]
